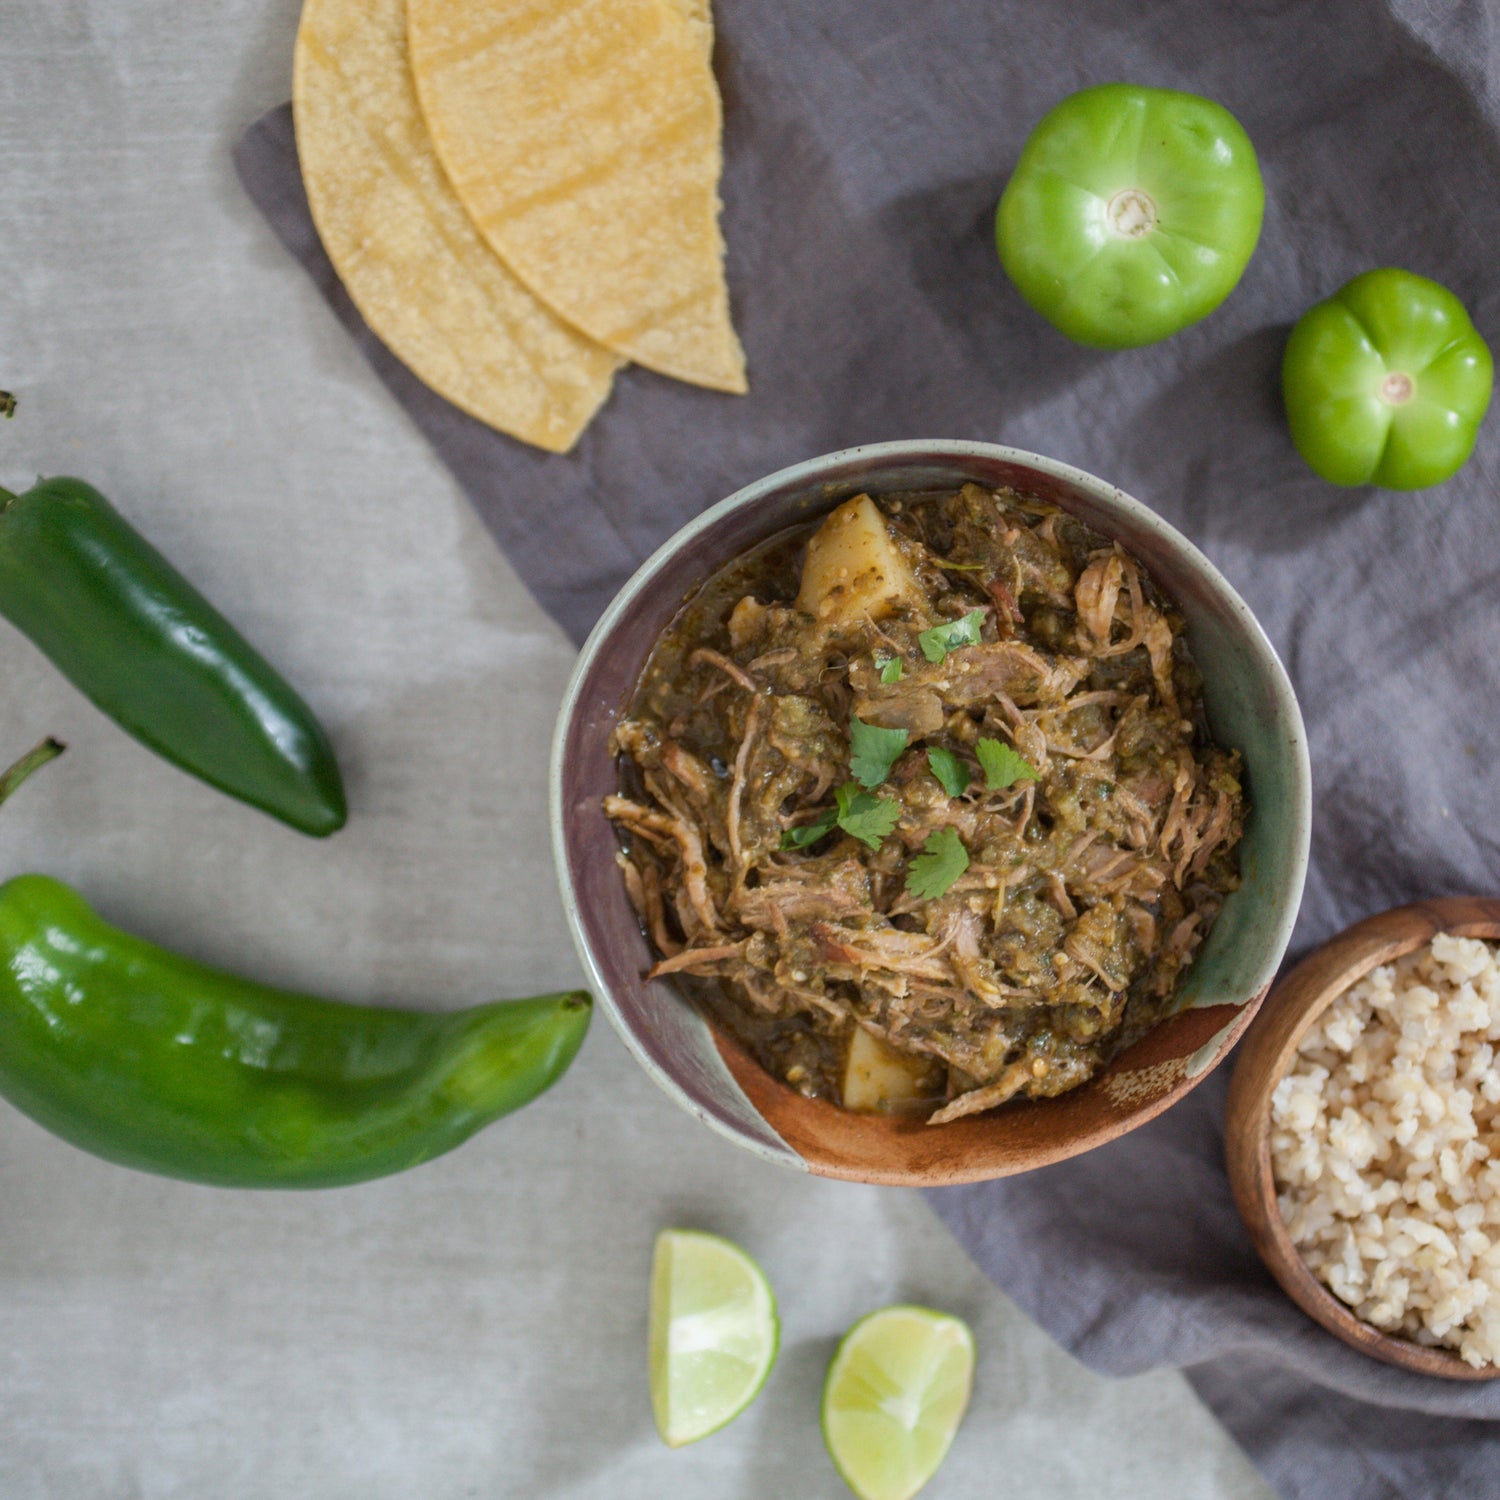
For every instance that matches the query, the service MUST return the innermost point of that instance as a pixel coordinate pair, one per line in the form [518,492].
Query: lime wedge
[714,1333]
[897,1388]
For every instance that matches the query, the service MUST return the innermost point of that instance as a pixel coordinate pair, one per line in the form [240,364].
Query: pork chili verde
[923,806]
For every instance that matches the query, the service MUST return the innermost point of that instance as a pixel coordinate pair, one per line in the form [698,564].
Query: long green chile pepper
[157,1062]
[127,629]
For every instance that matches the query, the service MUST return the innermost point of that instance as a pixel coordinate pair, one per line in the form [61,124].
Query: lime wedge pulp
[897,1388]
[714,1334]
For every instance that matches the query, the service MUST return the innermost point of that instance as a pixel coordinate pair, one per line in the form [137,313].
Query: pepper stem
[33,760]
[7,409]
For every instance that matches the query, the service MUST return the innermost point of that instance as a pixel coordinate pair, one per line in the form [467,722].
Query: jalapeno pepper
[127,629]
[160,1063]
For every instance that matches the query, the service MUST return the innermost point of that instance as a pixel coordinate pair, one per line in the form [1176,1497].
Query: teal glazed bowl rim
[1251,706]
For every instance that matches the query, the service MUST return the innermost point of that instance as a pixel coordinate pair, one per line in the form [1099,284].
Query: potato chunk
[855,568]
[878,1078]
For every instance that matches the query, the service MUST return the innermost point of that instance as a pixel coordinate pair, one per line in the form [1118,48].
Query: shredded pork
[1089,885]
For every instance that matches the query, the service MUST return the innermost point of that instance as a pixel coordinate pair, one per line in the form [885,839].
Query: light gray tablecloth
[866,144]
[474,1328]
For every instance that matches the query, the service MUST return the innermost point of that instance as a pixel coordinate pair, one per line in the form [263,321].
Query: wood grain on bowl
[1292,1007]
[902,1149]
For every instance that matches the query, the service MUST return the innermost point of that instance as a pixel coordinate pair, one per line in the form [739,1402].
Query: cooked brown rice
[1385,1141]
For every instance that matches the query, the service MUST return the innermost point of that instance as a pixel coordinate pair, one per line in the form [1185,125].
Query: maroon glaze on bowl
[1250,706]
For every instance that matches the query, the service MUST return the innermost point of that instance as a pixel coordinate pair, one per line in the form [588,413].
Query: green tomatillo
[1131,213]
[1387,382]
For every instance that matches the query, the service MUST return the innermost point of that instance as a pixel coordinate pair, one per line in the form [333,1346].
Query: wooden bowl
[1268,1051]
[1250,707]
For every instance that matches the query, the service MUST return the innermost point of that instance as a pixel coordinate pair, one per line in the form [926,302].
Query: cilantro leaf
[949,769]
[873,751]
[810,833]
[949,636]
[890,667]
[1003,766]
[942,861]
[866,818]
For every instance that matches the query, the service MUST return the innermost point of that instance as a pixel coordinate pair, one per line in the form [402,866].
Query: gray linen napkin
[866,143]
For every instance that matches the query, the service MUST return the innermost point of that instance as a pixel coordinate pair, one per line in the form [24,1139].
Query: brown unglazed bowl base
[903,1150]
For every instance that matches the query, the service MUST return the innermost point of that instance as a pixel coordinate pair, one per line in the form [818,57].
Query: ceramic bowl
[1250,707]
[1294,1005]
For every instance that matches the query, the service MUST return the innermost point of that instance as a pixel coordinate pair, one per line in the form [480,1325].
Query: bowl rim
[1295,1003]
[806,474]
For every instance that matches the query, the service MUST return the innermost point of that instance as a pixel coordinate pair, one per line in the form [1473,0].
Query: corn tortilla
[429,287]
[583,136]
[700,21]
